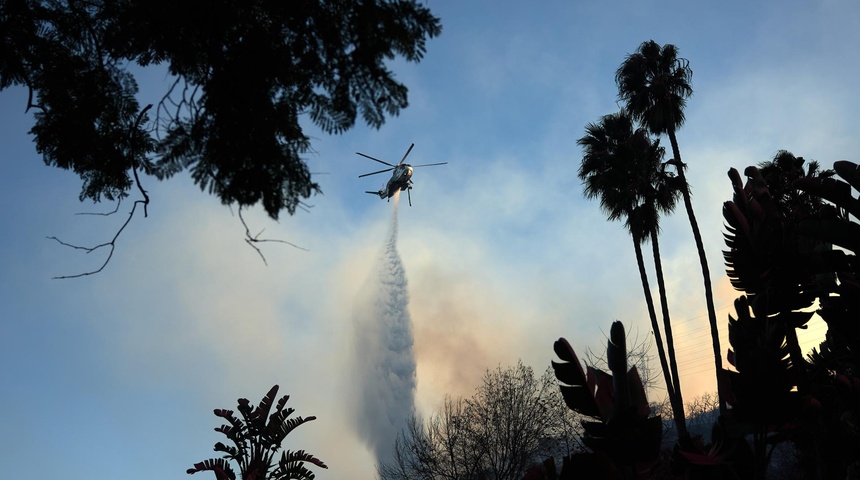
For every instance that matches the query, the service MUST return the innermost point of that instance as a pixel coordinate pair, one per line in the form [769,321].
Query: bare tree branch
[103,214]
[30,103]
[514,419]
[165,119]
[253,239]
[111,245]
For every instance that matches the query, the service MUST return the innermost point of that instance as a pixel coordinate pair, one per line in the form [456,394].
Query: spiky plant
[257,438]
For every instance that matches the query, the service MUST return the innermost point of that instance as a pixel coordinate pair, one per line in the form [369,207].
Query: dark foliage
[780,233]
[831,447]
[624,438]
[654,84]
[245,73]
[256,439]
[622,166]
[768,257]
[780,173]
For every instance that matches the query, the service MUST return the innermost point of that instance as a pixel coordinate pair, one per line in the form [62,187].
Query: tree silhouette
[245,73]
[256,439]
[779,175]
[654,84]
[623,168]
[244,76]
[513,420]
[781,254]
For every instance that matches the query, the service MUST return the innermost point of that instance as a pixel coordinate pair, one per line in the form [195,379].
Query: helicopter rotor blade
[430,164]
[407,154]
[375,159]
[374,173]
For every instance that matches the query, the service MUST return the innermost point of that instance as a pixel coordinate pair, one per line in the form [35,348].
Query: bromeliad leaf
[302,456]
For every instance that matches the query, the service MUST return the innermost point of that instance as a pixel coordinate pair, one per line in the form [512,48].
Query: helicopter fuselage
[401,179]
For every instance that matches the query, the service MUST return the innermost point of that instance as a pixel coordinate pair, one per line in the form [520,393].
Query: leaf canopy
[654,84]
[245,75]
[623,168]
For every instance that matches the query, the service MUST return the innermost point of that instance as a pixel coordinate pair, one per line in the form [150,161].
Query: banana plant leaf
[577,390]
[838,232]
[835,190]
[625,432]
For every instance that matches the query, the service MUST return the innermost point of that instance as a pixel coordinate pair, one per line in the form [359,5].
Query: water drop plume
[384,363]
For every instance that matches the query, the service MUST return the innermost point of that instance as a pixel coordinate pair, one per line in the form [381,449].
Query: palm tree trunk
[678,401]
[658,339]
[706,275]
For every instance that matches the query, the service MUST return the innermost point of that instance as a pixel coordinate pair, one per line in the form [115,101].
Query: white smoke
[385,364]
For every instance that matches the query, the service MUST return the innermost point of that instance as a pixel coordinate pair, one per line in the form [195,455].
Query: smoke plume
[384,362]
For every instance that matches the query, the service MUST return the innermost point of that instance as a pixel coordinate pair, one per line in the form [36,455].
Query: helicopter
[401,177]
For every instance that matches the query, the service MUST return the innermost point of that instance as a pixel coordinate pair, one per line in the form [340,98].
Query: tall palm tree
[619,166]
[654,84]
[661,195]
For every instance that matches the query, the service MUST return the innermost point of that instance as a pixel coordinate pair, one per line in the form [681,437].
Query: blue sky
[116,375]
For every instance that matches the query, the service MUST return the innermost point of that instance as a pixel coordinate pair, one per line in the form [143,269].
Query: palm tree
[620,166]
[779,175]
[654,84]
[661,195]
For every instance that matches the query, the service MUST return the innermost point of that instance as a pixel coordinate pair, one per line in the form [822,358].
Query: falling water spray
[384,361]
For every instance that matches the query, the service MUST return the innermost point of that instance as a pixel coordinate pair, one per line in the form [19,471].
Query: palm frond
[623,168]
[654,83]
[291,465]
[285,428]
[277,419]
[219,466]
[260,414]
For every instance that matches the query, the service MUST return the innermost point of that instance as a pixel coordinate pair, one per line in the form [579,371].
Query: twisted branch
[253,239]
[111,245]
